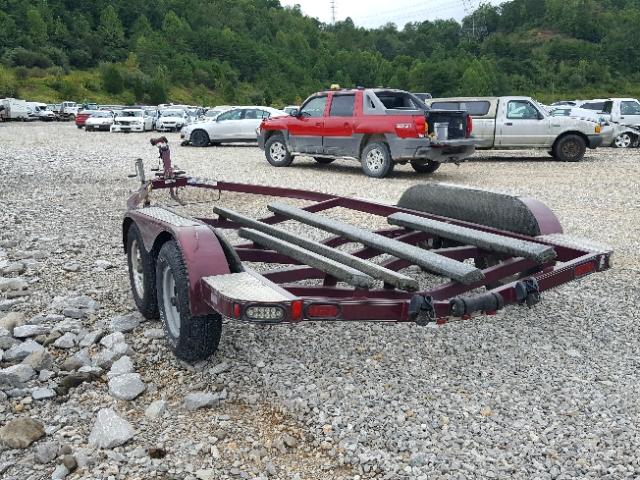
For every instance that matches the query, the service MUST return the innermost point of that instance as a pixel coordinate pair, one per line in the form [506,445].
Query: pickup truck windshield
[171,113]
[131,113]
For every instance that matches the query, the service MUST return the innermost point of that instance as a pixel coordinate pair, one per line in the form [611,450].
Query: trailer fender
[201,249]
[523,215]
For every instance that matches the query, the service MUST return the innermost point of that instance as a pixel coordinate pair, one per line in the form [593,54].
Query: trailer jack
[528,291]
[422,310]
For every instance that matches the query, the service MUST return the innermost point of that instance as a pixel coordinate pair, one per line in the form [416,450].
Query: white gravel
[550,392]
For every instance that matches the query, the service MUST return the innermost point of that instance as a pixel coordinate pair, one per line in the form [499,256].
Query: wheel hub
[170,301]
[277,151]
[375,160]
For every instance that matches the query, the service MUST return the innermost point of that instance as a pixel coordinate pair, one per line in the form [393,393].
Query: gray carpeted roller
[335,269]
[488,241]
[376,271]
[522,215]
[459,271]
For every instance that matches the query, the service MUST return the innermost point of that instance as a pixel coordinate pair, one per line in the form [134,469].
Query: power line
[420,14]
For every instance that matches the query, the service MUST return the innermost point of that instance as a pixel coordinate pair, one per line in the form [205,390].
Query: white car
[237,125]
[172,120]
[100,120]
[132,120]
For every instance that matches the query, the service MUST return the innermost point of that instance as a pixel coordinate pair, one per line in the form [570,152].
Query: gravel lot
[550,392]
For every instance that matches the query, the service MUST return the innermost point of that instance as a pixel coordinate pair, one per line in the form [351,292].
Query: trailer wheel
[142,275]
[199,138]
[569,148]
[376,160]
[192,338]
[324,160]
[425,167]
[276,151]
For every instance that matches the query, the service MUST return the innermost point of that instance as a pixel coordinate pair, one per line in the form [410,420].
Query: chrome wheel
[136,267]
[623,141]
[170,302]
[277,151]
[375,160]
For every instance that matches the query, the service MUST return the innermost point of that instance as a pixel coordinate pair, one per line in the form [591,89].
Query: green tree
[112,79]
[111,33]
[36,27]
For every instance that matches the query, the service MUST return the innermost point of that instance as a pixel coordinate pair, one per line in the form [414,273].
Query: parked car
[608,131]
[69,110]
[521,122]
[379,127]
[290,108]
[14,109]
[212,113]
[131,120]
[237,125]
[82,117]
[100,120]
[41,111]
[624,114]
[172,120]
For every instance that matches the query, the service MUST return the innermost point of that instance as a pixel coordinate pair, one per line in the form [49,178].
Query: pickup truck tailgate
[456,119]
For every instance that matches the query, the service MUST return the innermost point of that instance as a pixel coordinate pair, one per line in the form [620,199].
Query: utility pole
[333,12]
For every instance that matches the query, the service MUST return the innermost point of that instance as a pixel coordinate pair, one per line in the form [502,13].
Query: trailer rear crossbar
[379,272]
[458,271]
[488,241]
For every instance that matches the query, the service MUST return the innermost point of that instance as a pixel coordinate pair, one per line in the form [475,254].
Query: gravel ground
[550,392]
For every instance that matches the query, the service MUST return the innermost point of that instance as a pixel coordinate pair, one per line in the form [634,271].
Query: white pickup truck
[521,122]
[623,114]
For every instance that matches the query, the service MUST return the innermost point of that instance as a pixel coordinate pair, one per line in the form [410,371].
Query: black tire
[324,160]
[428,166]
[145,297]
[276,151]
[376,160]
[192,338]
[569,148]
[199,138]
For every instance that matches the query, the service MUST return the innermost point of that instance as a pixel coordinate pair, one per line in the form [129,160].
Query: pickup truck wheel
[275,150]
[324,160]
[622,141]
[199,138]
[425,167]
[376,160]
[569,148]
[192,338]
[142,275]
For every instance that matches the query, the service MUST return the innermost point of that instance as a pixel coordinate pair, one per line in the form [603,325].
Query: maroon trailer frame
[207,254]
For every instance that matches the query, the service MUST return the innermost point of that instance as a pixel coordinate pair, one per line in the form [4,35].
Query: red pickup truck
[379,127]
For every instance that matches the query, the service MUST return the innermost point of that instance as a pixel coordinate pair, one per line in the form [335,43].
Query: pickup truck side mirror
[295,112]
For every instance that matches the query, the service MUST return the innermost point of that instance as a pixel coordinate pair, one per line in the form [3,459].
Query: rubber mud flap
[491,209]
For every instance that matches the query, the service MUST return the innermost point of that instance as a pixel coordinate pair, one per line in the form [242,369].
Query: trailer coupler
[487,302]
[528,292]
[422,310]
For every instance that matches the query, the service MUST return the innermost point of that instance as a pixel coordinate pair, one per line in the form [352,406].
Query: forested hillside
[241,51]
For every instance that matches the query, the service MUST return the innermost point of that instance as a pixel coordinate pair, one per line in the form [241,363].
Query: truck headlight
[598,129]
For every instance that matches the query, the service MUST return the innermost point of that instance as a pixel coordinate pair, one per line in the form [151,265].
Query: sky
[373,13]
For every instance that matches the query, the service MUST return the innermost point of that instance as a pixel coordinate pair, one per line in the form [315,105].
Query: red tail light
[296,310]
[323,310]
[585,269]
[469,126]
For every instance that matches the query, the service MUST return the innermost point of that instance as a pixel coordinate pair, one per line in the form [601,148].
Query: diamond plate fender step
[461,272]
[376,271]
[488,241]
[246,287]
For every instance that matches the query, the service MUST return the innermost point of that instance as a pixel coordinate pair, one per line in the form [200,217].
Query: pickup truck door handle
[509,124]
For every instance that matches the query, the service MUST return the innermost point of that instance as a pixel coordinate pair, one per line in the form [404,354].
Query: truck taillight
[469,126]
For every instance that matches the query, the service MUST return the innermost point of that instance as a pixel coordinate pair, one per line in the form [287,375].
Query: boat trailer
[486,250]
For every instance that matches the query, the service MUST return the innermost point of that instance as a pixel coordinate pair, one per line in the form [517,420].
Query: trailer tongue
[423,267]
